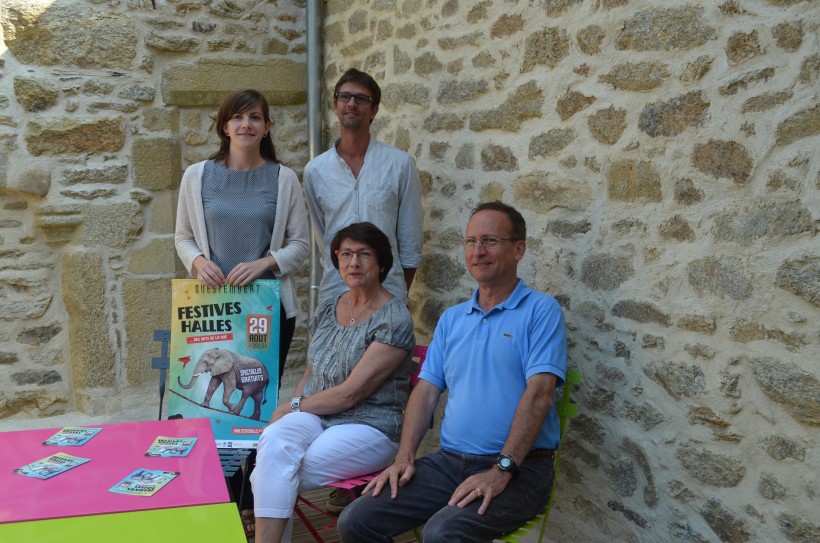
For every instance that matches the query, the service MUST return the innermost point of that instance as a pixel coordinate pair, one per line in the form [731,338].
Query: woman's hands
[279,412]
[376,365]
[209,273]
[245,272]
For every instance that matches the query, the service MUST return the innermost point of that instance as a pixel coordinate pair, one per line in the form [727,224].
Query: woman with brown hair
[241,216]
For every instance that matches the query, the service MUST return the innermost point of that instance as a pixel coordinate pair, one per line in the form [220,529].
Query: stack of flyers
[51,465]
[144,482]
[171,446]
[73,436]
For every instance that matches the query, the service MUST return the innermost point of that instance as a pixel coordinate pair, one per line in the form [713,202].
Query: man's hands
[397,474]
[480,486]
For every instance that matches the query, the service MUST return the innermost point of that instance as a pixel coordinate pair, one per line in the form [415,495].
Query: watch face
[505,463]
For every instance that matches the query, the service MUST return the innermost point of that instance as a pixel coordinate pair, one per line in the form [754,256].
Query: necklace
[365,308]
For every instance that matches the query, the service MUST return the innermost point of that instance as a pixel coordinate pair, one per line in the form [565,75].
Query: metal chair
[566,410]
[420,353]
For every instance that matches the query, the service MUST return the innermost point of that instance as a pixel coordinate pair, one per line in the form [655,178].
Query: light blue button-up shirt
[387,193]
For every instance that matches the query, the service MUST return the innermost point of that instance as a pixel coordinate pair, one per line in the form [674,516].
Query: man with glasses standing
[501,355]
[362,179]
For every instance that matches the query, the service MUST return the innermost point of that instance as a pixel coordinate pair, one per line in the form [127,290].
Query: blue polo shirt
[485,359]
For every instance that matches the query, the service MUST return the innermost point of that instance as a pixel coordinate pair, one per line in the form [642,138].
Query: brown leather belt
[541,453]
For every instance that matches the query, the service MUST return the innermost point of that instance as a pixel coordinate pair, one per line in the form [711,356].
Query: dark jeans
[286,330]
[424,499]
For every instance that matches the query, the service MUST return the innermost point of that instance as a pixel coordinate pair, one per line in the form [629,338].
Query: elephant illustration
[233,371]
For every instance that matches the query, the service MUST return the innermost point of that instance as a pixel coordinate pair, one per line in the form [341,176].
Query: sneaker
[340,498]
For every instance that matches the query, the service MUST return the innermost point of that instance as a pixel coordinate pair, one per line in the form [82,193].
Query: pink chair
[420,353]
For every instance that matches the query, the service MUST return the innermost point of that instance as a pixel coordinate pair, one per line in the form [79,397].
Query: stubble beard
[352,124]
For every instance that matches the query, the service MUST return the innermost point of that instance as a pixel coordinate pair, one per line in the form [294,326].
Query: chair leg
[312,529]
[306,522]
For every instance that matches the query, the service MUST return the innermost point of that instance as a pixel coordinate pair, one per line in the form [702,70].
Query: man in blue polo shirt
[501,355]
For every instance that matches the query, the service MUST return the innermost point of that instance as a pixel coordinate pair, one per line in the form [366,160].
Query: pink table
[115,452]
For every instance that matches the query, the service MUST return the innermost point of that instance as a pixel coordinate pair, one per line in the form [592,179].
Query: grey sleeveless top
[239,208]
[335,350]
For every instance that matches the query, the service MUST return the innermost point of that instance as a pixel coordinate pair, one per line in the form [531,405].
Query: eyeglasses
[346,255]
[361,99]
[487,242]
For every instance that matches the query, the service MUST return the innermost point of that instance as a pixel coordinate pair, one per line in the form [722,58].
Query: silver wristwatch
[295,404]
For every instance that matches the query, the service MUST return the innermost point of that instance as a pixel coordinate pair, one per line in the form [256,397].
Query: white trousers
[297,454]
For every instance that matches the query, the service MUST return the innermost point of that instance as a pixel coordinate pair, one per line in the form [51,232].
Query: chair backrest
[162,363]
[419,352]
[566,409]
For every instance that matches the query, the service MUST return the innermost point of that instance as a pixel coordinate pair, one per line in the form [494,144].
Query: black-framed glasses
[487,242]
[361,99]
[346,255]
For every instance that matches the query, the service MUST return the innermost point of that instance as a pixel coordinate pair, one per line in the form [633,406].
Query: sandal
[248,522]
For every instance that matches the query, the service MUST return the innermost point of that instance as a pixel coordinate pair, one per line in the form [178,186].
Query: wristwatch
[506,463]
[295,404]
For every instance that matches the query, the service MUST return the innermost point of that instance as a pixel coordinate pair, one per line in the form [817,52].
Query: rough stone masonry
[663,153]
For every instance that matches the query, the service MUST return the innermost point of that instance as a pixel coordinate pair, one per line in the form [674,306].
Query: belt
[541,453]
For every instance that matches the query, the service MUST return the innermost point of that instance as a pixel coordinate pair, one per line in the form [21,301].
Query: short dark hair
[363,79]
[369,234]
[519,225]
[240,102]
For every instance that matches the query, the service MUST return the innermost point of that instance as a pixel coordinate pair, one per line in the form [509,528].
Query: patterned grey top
[239,207]
[335,350]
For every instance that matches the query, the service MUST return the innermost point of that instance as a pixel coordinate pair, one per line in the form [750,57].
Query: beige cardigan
[289,241]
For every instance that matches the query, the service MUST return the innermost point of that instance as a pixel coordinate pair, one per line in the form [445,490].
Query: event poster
[225,357]
[72,436]
[171,447]
[48,467]
[144,482]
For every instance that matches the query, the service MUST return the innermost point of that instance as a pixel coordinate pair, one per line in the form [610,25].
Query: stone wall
[665,157]
[102,105]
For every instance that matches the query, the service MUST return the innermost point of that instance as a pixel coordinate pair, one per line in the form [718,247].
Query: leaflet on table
[50,466]
[171,446]
[144,482]
[225,357]
[72,436]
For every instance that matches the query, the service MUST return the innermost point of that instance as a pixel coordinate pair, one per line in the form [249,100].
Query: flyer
[175,447]
[225,357]
[72,436]
[144,482]
[50,466]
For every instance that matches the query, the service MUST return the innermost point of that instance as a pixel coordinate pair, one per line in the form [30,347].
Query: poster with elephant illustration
[225,357]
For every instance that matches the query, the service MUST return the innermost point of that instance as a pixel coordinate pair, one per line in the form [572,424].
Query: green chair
[566,410]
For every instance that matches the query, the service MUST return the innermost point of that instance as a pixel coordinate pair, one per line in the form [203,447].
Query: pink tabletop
[115,452]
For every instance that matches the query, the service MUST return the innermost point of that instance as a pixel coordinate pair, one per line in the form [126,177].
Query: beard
[354,123]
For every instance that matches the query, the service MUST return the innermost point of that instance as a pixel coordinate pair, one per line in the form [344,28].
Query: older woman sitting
[346,414]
